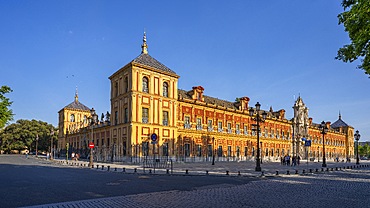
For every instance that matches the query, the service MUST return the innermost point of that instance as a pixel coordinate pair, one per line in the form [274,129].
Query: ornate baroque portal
[300,127]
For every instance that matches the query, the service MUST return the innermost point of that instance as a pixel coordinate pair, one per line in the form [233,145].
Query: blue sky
[270,51]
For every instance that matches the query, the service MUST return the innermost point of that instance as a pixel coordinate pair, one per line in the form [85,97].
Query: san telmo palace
[150,116]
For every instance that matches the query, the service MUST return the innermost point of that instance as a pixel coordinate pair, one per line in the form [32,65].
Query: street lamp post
[318,154]
[324,129]
[37,142]
[357,137]
[51,143]
[93,120]
[258,119]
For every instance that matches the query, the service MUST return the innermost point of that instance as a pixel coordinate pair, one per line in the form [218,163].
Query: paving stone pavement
[342,188]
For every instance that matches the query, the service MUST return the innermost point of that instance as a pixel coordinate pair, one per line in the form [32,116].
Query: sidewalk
[242,168]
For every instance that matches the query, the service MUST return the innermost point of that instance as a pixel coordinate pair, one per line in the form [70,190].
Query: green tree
[22,135]
[355,19]
[6,114]
[364,150]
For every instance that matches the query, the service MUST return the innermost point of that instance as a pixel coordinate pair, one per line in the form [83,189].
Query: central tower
[143,102]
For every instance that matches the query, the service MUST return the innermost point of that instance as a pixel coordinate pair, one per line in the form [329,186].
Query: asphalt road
[26,182]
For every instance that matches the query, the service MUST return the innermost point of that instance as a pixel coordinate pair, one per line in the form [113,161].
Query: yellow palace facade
[150,116]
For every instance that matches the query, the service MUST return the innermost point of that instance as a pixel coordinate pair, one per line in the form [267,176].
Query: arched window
[145,84]
[165,89]
[72,118]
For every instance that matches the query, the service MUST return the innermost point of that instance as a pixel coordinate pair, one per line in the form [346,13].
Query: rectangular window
[229,151]
[165,118]
[145,148]
[229,128]
[245,129]
[116,118]
[210,152]
[220,126]
[145,115]
[187,122]
[199,124]
[237,129]
[199,150]
[124,149]
[165,149]
[187,150]
[219,151]
[210,127]
[126,116]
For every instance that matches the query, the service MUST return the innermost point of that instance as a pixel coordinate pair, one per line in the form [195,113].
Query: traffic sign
[154,137]
[307,143]
[91,145]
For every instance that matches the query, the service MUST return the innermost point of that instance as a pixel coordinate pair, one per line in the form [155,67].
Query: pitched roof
[147,60]
[77,105]
[338,123]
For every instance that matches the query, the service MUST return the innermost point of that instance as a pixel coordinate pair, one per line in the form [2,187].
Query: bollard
[296,171]
[206,172]
[287,172]
[92,166]
[239,173]
[135,170]
[150,171]
[303,171]
[317,170]
[310,170]
[167,171]
[108,167]
[97,166]
[123,169]
[336,168]
[186,171]
[115,169]
[227,172]
[102,167]
[332,169]
[277,172]
[322,169]
[262,174]
[327,169]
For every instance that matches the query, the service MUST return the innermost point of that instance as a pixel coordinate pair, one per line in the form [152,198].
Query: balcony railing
[187,126]
[210,129]
[220,130]
[199,127]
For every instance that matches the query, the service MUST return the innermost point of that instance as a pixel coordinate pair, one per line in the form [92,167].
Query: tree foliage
[6,114]
[364,150]
[356,21]
[22,135]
